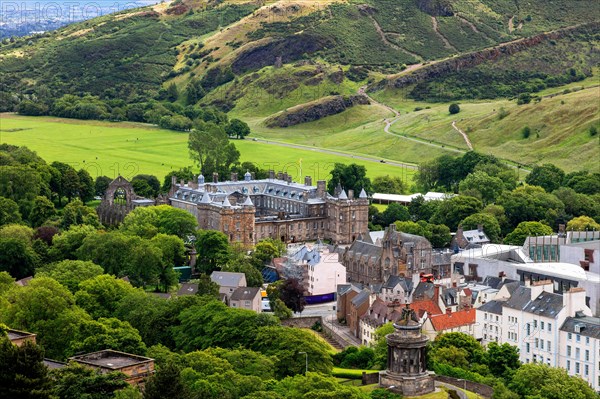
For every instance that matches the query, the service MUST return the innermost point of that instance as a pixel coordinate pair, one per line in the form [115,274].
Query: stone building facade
[249,210]
[120,199]
[400,254]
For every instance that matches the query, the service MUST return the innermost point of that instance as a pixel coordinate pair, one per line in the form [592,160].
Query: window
[568,350]
[577,353]
[485,316]
[549,347]
[578,338]
[535,324]
[527,347]
[542,325]
[577,368]
[568,365]
[587,355]
[549,327]
[586,369]
[569,336]
[541,343]
[587,340]
[537,343]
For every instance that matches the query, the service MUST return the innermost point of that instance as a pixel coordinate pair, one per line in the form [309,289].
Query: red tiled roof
[426,305]
[467,292]
[453,320]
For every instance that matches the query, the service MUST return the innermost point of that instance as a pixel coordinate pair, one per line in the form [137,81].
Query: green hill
[256,59]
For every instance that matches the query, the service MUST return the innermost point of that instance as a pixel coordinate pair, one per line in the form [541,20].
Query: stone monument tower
[406,373]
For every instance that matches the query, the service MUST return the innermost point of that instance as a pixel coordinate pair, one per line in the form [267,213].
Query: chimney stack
[271,174]
[321,188]
[181,183]
[173,181]
[350,194]
[448,311]
[308,181]
[480,228]
[252,176]
[285,176]
[215,177]
[233,176]
[280,175]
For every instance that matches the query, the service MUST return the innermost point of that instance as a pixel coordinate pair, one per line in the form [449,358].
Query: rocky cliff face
[312,112]
[470,60]
[436,8]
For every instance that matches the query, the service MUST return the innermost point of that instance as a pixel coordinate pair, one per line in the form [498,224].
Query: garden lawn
[127,149]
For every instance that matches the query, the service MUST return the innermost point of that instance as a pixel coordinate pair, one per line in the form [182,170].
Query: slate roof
[511,285]
[492,281]
[362,248]
[188,289]
[393,281]
[450,296]
[441,258]
[361,298]
[54,364]
[453,320]
[546,304]
[227,279]
[589,326]
[424,291]
[520,297]
[492,307]
[476,236]
[245,293]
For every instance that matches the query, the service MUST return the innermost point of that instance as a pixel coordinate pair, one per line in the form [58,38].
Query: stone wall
[480,389]
[302,322]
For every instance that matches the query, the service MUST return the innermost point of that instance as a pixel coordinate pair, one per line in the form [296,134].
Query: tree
[582,223]
[151,182]
[75,381]
[490,224]
[388,184]
[237,128]
[451,211]
[526,132]
[537,380]
[207,287]
[42,210]
[393,213]
[24,374]
[473,350]
[68,181]
[101,185]
[144,263]
[172,92]
[530,203]
[173,254]
[285,343]
[141,222]
[502,359]
[66,244]
[86,186]
[166,383]
[577,204]
[454,109]
[107,333]
[185,174]
[9,211]
[100,295]
[527,229]
[174,221]
[17,257]
[440,235]
[349,177]
[76,213]
[210,147]
[292,294]
[213,250]
[481,185]
[70,272]
[547,176]
[266,250]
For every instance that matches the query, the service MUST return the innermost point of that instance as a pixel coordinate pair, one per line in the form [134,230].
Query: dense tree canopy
[349,177]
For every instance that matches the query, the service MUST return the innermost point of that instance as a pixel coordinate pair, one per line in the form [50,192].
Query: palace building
[250,210]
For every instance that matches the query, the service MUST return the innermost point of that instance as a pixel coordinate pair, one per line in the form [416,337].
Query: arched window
[120,197]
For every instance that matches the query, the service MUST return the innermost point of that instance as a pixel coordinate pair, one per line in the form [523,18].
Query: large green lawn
[106,148]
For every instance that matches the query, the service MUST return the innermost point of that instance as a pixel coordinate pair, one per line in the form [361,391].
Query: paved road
[327,312]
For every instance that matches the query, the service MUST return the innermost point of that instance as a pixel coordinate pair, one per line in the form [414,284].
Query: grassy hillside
[105,148]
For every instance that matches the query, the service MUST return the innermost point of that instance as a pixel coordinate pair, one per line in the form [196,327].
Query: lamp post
[306,364]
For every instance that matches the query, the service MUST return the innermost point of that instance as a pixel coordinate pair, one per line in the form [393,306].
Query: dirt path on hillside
[464,135]
[387,42]
[437,31]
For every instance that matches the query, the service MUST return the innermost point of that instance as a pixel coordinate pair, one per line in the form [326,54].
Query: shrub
[524,98]
[526,132]
[593,131]
[454,109]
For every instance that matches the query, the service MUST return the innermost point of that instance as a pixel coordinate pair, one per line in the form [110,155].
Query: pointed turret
[200,179]
[205,199]
[226,203]
[343,195]
[248,176]
[363,194]
[248,202]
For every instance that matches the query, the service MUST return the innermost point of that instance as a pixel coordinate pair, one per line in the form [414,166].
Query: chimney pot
[480,227]
[271,174]
[215,177]
[448,311]
[308,181]
[279,175]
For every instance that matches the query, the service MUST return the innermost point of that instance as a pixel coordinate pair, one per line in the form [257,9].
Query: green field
[106,148]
